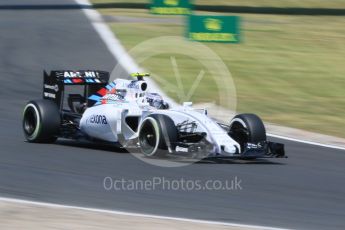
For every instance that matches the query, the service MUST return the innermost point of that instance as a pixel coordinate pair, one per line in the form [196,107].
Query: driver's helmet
[156,100]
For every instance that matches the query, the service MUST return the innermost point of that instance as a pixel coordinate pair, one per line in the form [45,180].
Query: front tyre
[247,128]
[41,121]
[157,135]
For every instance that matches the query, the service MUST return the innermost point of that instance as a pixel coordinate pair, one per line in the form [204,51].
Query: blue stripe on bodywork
[95,98]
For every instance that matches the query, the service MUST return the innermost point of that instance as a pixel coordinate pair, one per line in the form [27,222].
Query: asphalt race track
[305,191]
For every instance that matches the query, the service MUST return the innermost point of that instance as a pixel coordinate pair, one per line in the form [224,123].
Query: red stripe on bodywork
[77,80]
[112,91]
[102,91]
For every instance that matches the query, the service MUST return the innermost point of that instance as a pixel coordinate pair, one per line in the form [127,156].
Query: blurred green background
[290,70]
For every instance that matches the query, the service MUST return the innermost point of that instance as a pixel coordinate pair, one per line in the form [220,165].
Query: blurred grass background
[255,3]
[290,70]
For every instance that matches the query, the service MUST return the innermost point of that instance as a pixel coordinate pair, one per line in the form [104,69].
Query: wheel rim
[148,138]
[30,121]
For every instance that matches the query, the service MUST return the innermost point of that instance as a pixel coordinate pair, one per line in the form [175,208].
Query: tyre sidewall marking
[38,120]
[239,120]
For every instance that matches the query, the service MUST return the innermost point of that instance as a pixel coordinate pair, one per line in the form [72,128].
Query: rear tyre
[157,134]
[41,121]
[246,128]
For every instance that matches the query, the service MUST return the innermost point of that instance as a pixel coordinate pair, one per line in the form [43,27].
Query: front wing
[265,149]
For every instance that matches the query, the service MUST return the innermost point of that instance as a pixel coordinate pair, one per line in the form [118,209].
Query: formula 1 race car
[124,112]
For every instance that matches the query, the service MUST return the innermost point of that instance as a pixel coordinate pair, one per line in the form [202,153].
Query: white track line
[108,37]
[306,142]
[114,212]
[116,49]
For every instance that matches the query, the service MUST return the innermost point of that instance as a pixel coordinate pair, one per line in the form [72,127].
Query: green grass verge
[256,3]
[290,70]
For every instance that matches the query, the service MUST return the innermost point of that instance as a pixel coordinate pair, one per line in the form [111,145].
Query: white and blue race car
[125,114]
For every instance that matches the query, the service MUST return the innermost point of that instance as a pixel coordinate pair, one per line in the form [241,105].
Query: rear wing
[55,81]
